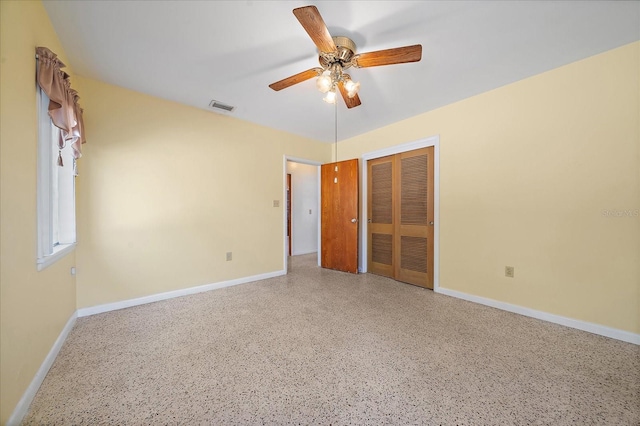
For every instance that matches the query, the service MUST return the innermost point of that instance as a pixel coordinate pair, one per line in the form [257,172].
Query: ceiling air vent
[220,106]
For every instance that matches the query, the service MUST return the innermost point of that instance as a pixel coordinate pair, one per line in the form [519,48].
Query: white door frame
[284,197]
[433,141]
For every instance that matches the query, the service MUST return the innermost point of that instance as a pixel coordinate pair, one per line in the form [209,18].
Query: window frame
[48,251]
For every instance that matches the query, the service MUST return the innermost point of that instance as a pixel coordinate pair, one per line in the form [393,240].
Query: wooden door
[380,211]
[414,222]
[400,210]
[339,216]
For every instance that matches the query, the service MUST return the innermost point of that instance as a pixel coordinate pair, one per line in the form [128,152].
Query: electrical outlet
[509,271]
[276,203]
[229,256]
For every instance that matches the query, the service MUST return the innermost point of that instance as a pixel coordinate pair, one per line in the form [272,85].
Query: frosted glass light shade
[324,82]
[330,97]
[352,88]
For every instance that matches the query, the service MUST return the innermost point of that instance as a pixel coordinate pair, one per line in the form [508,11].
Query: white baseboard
[300,253]
[23,405]
[601,330]
[83,312]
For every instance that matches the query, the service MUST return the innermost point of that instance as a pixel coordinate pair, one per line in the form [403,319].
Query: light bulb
[352,88]
[324,82]
[330,98]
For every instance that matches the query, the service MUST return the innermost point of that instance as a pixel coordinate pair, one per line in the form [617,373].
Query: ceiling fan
[338,54]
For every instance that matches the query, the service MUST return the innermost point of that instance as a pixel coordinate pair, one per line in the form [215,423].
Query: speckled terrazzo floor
[324,347]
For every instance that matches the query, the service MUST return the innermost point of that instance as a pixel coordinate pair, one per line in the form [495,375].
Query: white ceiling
[195,51]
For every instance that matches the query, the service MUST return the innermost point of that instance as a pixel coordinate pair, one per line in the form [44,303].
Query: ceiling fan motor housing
[346,48]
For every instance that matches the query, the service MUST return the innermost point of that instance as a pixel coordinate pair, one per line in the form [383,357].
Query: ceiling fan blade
[351,102]
[295,79]
[399,55]
[313,23]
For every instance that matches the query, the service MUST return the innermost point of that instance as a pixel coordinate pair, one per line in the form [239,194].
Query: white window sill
[59,252]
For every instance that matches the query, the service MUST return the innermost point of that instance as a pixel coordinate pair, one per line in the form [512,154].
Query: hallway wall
[304,209]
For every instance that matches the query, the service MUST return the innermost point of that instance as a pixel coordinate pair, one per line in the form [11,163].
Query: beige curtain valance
[64,110]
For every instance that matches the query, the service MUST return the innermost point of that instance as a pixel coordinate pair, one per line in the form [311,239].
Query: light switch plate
[509,271]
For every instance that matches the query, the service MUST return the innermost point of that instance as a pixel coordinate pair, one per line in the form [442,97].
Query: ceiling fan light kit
[338,54]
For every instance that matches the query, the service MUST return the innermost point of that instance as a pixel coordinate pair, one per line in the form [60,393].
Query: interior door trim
[433,141]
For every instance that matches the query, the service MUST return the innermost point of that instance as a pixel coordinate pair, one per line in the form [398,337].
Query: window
[56,189]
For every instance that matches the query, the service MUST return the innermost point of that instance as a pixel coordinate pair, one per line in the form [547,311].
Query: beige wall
[34,306]
[526,172]
[169,189]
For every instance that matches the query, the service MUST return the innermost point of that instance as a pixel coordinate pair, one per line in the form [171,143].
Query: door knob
[354,220]
[431,223]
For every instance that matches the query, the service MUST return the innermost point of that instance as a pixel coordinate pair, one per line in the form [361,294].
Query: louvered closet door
[380,213]
[400,212]
[413,257]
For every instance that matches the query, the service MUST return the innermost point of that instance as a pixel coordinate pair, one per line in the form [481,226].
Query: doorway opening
[302,212]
